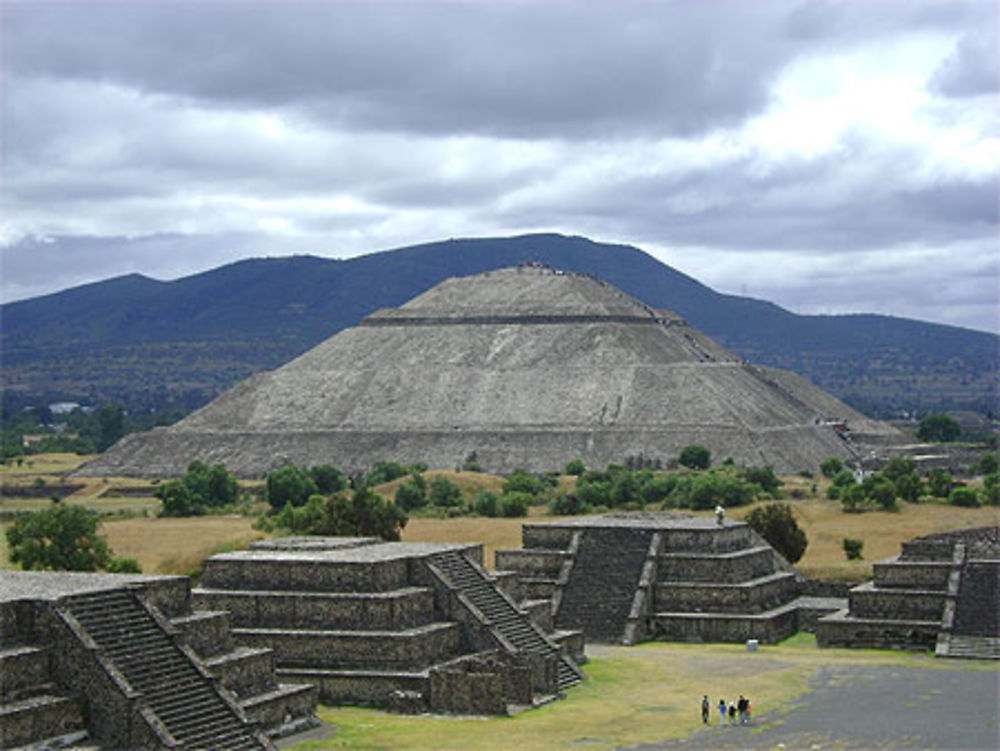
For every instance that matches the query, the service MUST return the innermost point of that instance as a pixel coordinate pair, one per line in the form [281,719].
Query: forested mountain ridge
[155,344]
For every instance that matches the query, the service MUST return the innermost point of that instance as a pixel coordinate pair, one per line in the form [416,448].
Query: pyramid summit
[527,367]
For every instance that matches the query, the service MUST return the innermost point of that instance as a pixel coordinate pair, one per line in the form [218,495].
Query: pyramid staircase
[602,583]
[182,696]
[500,611]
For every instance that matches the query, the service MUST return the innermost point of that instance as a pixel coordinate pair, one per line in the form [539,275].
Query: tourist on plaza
[722,711]
[732,713]
[705,707]
[741,708]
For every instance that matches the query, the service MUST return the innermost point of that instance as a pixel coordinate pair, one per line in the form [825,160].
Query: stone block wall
[924,575]
[737,566]
[747,597]
[305,575]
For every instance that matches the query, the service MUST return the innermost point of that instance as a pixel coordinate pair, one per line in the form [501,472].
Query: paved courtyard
[852,707]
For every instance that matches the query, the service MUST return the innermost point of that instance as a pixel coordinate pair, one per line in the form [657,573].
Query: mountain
[151,343]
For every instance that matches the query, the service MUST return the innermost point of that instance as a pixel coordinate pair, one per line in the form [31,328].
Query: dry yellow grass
[173,546]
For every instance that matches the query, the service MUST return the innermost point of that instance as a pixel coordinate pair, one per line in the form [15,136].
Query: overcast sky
[829,156]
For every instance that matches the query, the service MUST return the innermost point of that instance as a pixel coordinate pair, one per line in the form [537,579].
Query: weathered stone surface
[526,367]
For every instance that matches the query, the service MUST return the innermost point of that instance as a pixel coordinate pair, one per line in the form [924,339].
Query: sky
[832,157]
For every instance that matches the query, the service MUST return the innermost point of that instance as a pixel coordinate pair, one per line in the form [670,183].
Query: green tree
[176,500]
[963,496]
[776,523]
[328,479]
[387,472]
[567,505]
[939,427]
[624,489]
[202,488]
[830,467]
[910,487]
[122,565]
[883,492]
[289,485]
[575,467]
[658,488]
[988,463]
[59,538]
[445,493]
[364,514]
[695,456]
[410,495]
[991,488]
[763,477]
[898,466]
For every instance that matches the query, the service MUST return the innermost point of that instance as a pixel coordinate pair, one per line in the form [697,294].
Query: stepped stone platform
[122,661]
[406,626]
[624,578]
[941,592]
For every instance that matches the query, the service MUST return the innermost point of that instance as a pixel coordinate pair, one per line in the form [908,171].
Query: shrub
[515,504]
[963,496]
[567,505]
[695,456]
[575,467]
[122,565]
[382,472]
[852,498]
[709,490]
[898,466]
[289,485]
[776,523]
[988,463]
[852,548]
[486,504]
[909,487]
[365,514]
[844,479]
[831,467]
[523,482]
[445,493]
[471,463]
[991,488]
[624,489]
[939,482]
[201,488]
[593,493]
[763,477]
[658,488]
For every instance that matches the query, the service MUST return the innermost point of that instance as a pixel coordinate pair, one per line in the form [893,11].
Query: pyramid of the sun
[526,367]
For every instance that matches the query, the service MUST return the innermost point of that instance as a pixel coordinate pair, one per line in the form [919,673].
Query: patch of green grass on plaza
[645,694]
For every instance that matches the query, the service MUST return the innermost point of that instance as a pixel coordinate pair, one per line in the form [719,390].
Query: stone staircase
[34,713]
[501,612]
[183,698]
[602,583]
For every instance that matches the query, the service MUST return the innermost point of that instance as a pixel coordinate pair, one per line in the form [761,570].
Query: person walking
[749,715]
[732,713]
[741,708]
[705,707]
[722,711]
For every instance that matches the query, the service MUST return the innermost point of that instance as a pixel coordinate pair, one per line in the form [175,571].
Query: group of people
[738,711]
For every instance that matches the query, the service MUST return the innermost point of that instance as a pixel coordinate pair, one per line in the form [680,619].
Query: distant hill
[154,344]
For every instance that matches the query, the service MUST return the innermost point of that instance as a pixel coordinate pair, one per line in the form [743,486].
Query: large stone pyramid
[527,367]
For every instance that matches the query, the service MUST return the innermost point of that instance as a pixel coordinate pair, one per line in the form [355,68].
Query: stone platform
[623,578]
[407,626]
[942,592]
[122,661]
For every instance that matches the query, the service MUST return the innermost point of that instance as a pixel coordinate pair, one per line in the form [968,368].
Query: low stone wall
[863,633]
[479,684]
[206,632]
[748,597]
[737,566]
[868,601]
[548,536]
[402,608]
[368,687]
[390,650]
[725,627]
[734,536]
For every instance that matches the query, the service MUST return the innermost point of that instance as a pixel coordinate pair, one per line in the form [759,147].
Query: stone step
[768,627]
[731,566]
[33,719]
[243,670]
[403,607]
[23,669]
[406,648]
[752,596]
[207,632]
[282,708]
[974,647]
[869,601]
[842,629]
[77,740]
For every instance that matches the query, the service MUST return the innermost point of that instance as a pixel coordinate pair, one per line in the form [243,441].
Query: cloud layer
[831,156]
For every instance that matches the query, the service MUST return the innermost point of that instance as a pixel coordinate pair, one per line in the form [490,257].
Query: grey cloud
[972,69]
[517,70]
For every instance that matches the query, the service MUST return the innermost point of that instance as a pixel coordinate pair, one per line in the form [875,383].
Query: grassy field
[645,694]
[179,545]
